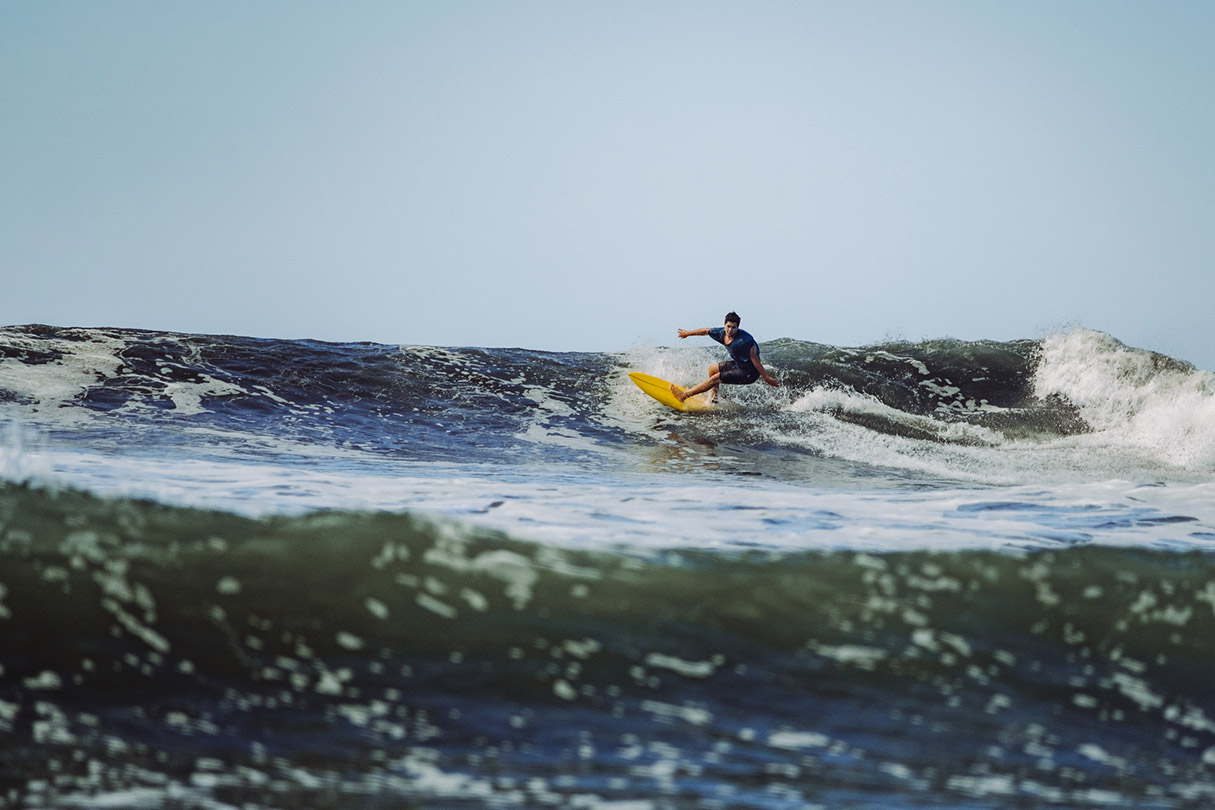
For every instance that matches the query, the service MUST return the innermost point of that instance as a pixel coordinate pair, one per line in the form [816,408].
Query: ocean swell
[154,654]
[1076,393]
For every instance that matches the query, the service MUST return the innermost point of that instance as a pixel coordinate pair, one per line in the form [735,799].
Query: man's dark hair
[732,317]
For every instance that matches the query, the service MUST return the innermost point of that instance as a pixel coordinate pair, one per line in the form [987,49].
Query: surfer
[743,368]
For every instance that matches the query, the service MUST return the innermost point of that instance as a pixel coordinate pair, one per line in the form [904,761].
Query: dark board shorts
[731,374]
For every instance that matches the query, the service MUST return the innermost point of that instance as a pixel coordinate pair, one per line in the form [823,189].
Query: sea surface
[251,573]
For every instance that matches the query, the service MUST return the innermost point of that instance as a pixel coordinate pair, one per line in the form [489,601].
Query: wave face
[974,411]
[418,402]
[158,656]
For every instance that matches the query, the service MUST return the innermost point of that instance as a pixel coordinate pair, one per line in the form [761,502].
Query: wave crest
[1134,398]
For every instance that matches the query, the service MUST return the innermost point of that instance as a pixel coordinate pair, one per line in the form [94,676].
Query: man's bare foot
[678,392]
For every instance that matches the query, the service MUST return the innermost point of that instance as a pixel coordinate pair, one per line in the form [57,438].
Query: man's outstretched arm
[683,333]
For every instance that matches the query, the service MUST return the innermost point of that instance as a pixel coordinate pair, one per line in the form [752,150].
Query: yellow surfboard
[661,391]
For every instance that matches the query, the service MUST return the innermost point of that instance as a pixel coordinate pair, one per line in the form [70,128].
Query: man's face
[731,329]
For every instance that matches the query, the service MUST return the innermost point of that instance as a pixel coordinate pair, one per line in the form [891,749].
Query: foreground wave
[153,655]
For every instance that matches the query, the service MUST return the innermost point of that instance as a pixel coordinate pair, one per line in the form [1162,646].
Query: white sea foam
[43,391]
[43,388]
[23,454]
[662,511]
[1134,399]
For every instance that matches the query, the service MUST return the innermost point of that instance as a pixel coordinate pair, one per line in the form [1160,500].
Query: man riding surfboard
[743,368]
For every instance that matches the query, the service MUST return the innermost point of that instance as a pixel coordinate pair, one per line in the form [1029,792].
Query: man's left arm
[763,372]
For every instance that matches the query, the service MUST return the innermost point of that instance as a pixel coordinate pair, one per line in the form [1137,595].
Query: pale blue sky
[574,175]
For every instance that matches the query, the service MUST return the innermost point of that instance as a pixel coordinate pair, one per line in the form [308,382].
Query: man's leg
[713,381]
